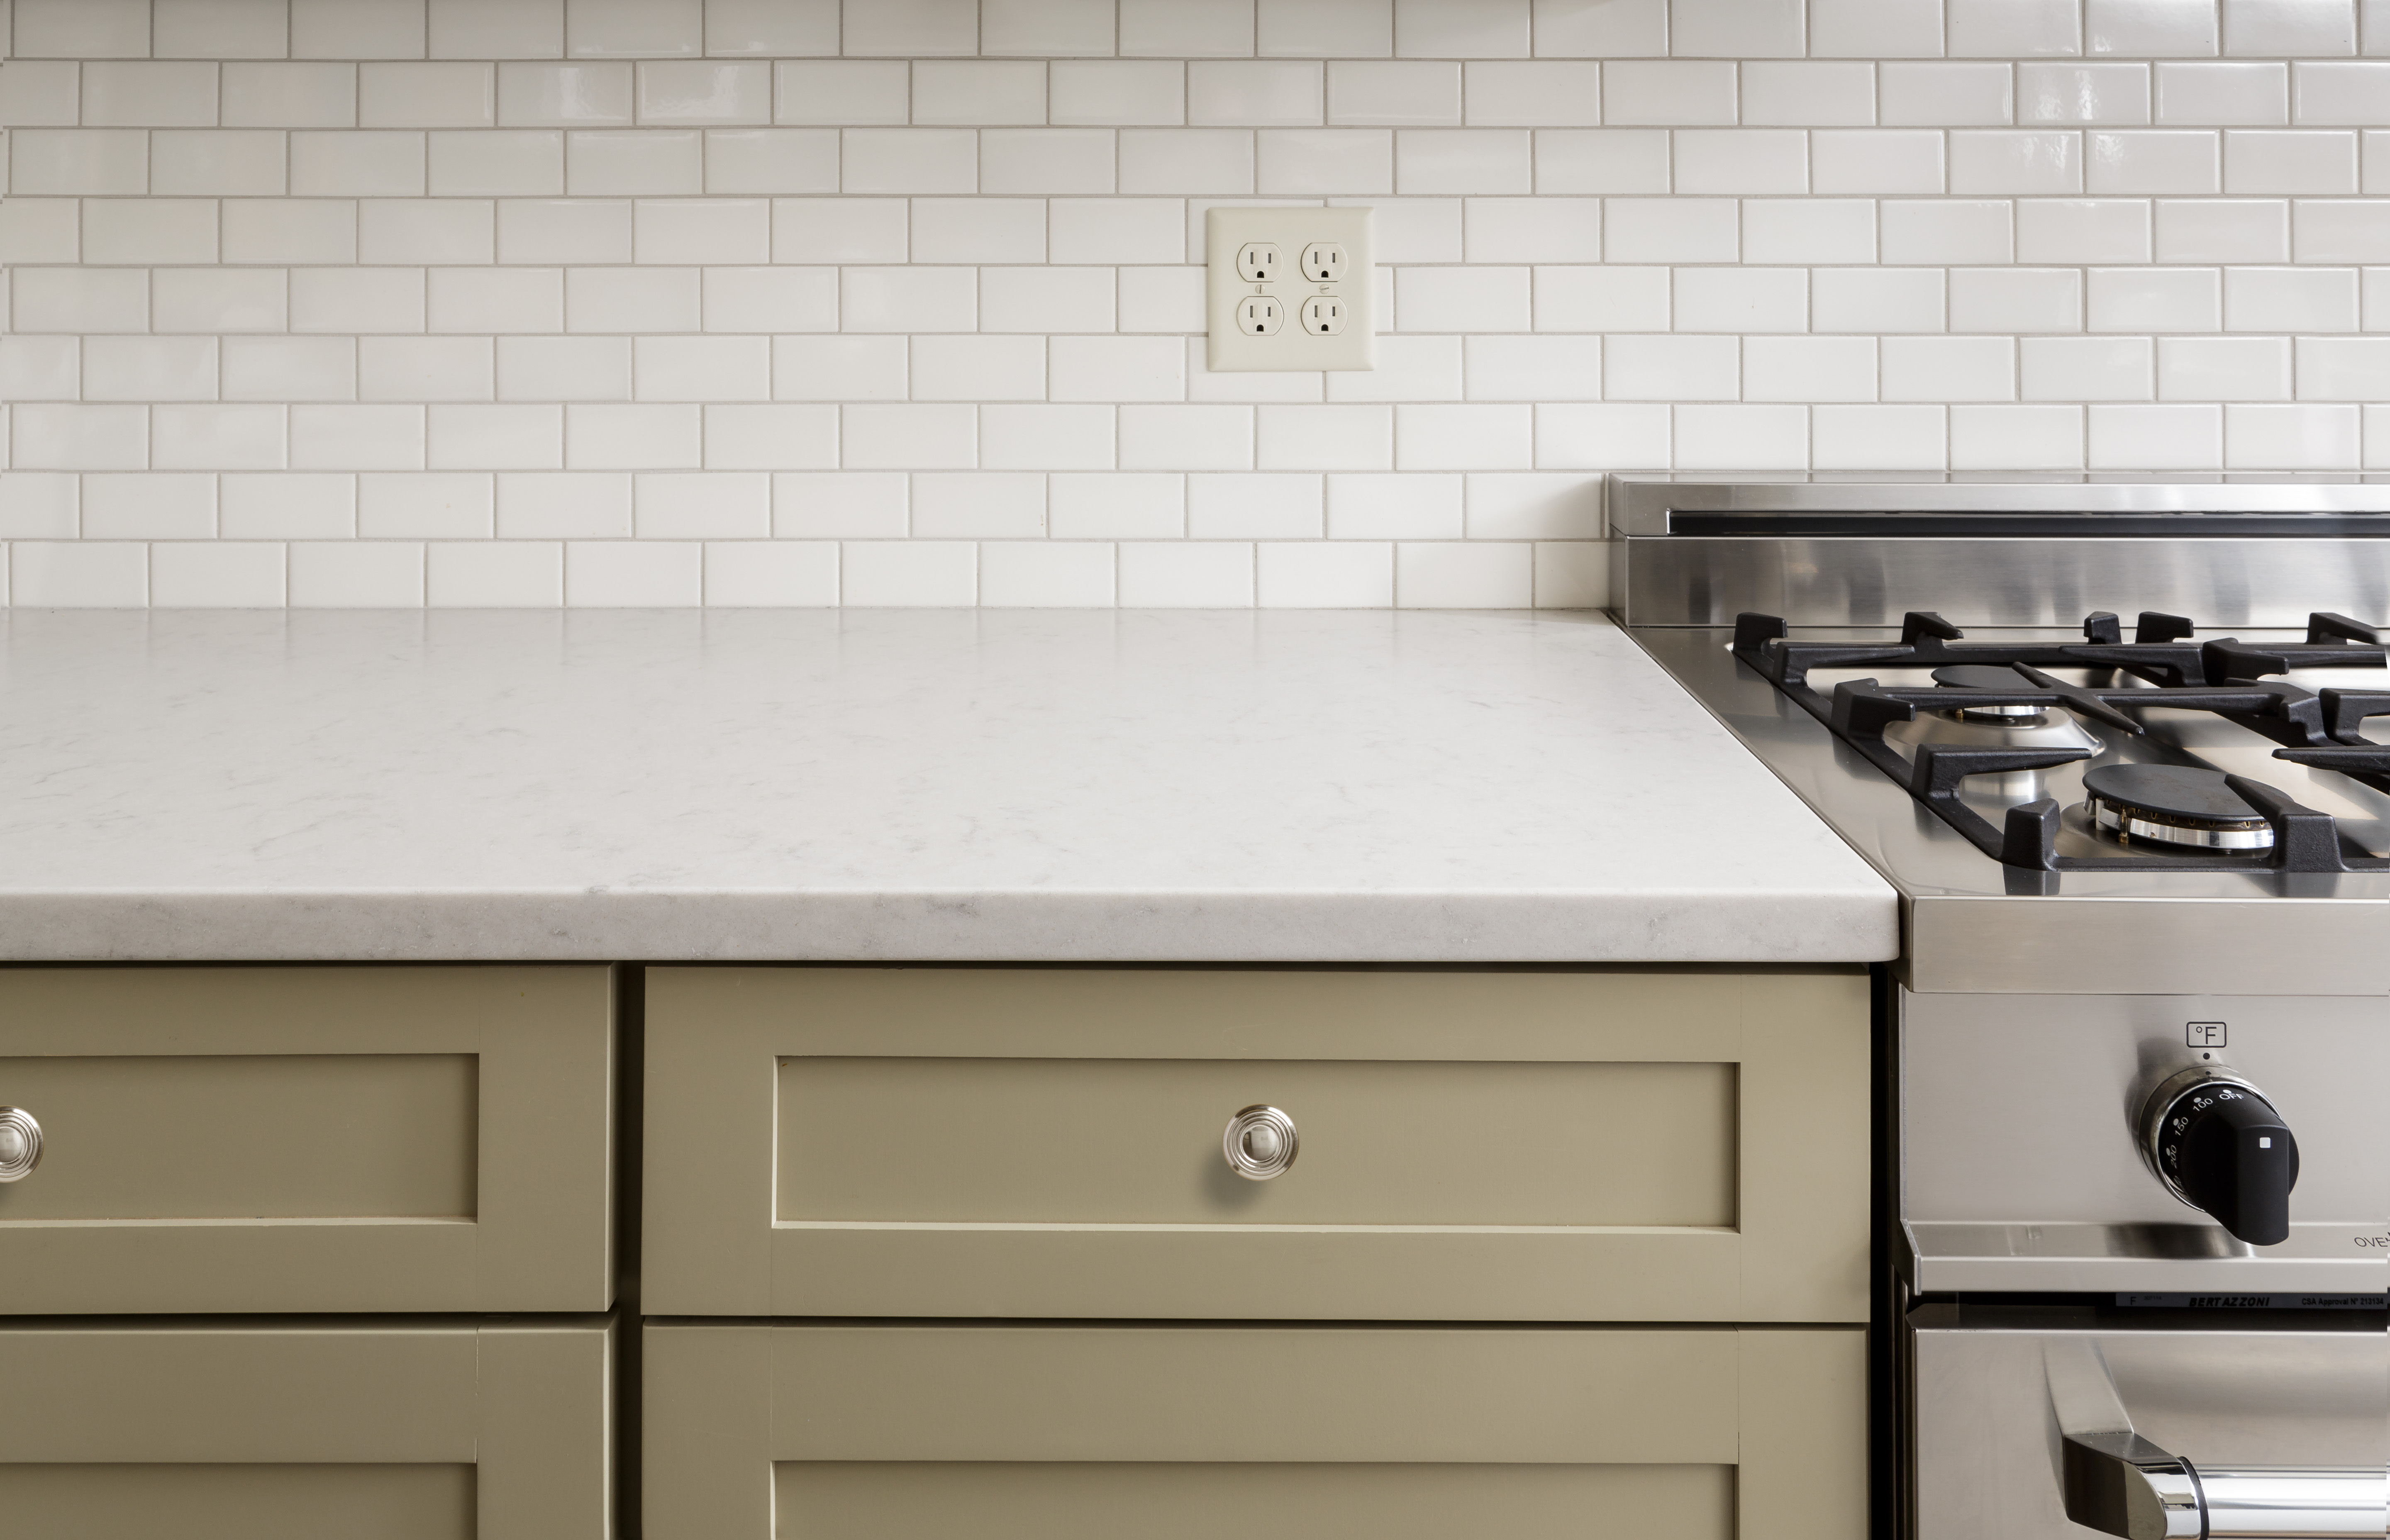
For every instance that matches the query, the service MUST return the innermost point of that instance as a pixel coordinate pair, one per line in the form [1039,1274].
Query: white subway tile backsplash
[149,231]
[770,299]
[216,574]
[840,504]
[2342,368]
[2161,29]
[905,27]
[1544,93]
[2083,93]
[2248,230]
[2023,29]
[1992,161]
[290,230]
[427,95]
[2223,95]
[78,161]
[1809,368]
[2017,438]
[2224,368]
[2290,299]
[1878,299]
[1601,29]
[1879,437]
[148,508]
[356,438]
[145,93]
[1742,160]
[1944,95]
[218,162]
[771,28]
[1118,368]
[1810,93]
[494,438]
[691,231]
[225,299]
[1409,369]
[2140,299]
[1186,29]
[627,299]
[1674,92]
[74,575]
[1671,368]
[2085,368]
[477,28]
[2274,28]
[1142,505]
[144,368]
[362,163]
[843,91]
[356,29]
[2260,161]
[1602,160]
[40,230]
[701,506]
[83,28]
[1047,29]
[711,93]
[1944,233]
[1875,161]
[1875,29]
[43,368]
[1472,575]
[1724,438]
[1043,575]
[616,28]
[440,506]
[844,230]
[2164,160]
[573,506]
[1254,93]
[973,92]
[702,368]
[2336,231]
[603,574]
[1949,368]
[2016,300]
[1745,300]
[910,161]
[1097,92]
[2155,438]
[1324,576]
[782,574]
[79,300]
[1464,160]
[2082,231]
[1461,29]
[511,575]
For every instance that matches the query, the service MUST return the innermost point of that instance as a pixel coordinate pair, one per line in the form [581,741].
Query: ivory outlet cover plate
[1304,305]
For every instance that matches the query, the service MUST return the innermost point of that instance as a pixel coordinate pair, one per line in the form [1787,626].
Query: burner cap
[1989,676]
[2173,804]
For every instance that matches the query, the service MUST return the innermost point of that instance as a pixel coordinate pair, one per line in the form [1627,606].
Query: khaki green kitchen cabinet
[1597,1145]
[309,1139]
[820,1431]
[433,1431]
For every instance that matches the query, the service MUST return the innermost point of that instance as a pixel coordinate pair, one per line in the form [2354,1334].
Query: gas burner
[2173,804]
[1985,676]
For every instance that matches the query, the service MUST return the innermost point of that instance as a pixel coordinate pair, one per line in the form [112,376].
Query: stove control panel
[2219,1145]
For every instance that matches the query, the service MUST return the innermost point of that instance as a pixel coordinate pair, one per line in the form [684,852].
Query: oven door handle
[2120,1484]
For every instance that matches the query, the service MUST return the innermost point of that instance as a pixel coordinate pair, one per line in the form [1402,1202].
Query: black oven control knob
[2219,1146]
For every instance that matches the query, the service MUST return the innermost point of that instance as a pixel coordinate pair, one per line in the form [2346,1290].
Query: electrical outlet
[1319,313]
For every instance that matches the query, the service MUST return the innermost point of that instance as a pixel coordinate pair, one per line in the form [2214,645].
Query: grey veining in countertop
[1363,786]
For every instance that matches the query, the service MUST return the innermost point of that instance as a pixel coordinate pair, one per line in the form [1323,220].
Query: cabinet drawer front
[308,1139]
[475,1431]
[856,1433]
[1682,1145]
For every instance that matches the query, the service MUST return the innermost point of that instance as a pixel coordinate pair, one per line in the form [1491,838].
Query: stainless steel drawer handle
[20,1144]
[1260,1143]
[2120,1484]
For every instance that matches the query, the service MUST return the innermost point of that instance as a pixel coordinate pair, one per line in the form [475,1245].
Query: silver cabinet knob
[20,1144]
[1260,1143]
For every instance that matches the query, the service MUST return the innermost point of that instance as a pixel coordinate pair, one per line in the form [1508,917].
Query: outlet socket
[1267,313]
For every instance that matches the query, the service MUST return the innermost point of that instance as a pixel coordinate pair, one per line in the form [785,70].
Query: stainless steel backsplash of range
[2109,740]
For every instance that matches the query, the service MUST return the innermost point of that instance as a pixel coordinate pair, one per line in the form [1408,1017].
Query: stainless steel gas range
[2109,738]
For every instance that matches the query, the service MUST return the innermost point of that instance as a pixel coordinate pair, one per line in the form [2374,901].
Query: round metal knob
[1260,1143]
[20,1144]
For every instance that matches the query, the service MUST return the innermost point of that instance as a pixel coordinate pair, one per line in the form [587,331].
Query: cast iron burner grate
[2226,676]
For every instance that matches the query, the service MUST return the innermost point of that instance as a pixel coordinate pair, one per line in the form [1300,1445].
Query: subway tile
[1603,437]
[1117,230]
[1162,299]
[2082,231]
[979,90]
[289,95]
[493,439]
[565,96]
[78,299]
[1742,300]
[1808,94]
[1409,93]
[1324,438]
[2223,95]
[970,230]
[616,29]
[148,368]
[2015,29]
[509,575]
[689,231]
[1461,29]
[2156,438]
[1948,368]
[152,231]
[425,369]
[842,93]
[356,29]
[1455,161]
[286,506]
[704,93]
[1330,162]
[570,505]
[1409,229]
[43,368]
[565,369]
[35,94]
[979,368]
[2161,161]
[81,28]
[1671,368]
[631,299]
[1940,94]
[544,232]
[221,299]
[1038,160]
[771,28]
[2336,231]
[920,161]
[2289,28]
[900,573]
[1209,436]
[1259,93]
[2151,29]
[148,508]
[1186,29]
[2244,230]
[1668,93]
[59,436]
[905,299]
[1601,299]
[1677,230]
[1315,29]
[477,28]
[289,368]
[2261,160]
[1875,29]
[443,505]
[611,436]
[1324,577]
[1142,505]
[1970,231]
[35,230]
[2140,299]
[633,574]
[1808,368]
[1988,160]
[1601,29]
[1047,29]
[68,161]
[1602,160]
[1117,368]
[909,437]
[1736,29]
[500,163]
[838,368]
[1027,437]
[356,438]
[1875,161]
[2291,437]
[1038,574]
[770,299]
[1464,575]
[1239,505]
[290,230]
[79,575]
[1533,229]
[2083,93]
[1103,92]
[427,231]
[710,504]
[1546,93]
[2085,368]
[146,94]
[227,162]
[1364,505]
[633,162]
[2016,300]
[216,575]
[2224,368]
[427,95]
[771,161]
[1809,230]
[2341,368]
[2323,92]
[364,163]
[1474,437]
[2290,299]
[1878,437]
[1544,506]
[1725,438]
[1187,160]
[1742,160]
[833,505]
[906,29]
[2017,438]
[1464,299]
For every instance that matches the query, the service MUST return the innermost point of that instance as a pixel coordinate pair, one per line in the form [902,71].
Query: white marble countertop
[1363,786]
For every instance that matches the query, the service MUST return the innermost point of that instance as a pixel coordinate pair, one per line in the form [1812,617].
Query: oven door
[2029,1423]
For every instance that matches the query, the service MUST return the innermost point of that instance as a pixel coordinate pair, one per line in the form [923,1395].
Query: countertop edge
[1778,928]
